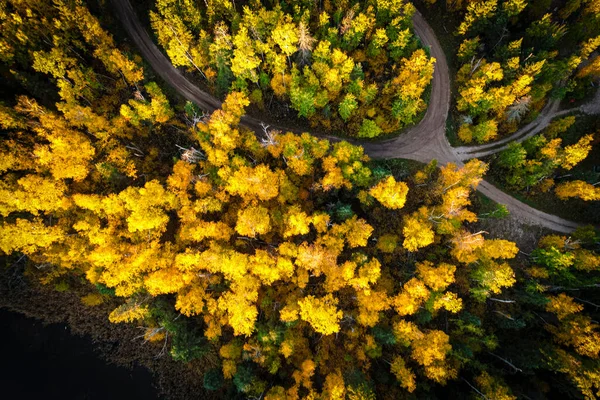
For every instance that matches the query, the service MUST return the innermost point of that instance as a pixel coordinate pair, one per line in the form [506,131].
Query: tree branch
[506,361]
[587,302]
[475,389]
[502,301]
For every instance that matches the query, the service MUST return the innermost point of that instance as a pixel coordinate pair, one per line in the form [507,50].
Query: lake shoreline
[62,365]
[117,344]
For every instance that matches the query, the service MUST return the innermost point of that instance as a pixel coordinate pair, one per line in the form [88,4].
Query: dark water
[47,362]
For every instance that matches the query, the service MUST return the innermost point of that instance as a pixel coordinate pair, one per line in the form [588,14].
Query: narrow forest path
[423,142]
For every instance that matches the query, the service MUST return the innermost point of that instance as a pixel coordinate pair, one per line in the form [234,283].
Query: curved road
[549,112]
[424,142]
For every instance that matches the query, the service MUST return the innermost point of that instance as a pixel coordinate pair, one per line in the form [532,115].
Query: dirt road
[424,142]
[549,112]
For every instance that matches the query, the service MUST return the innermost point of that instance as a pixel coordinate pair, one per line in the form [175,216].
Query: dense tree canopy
[352,66]
[515,55]
[297,266]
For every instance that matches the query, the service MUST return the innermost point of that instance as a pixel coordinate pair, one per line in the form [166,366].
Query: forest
[276,212]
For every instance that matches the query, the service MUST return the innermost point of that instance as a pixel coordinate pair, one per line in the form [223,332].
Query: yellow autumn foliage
[321,313]
[390,193]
